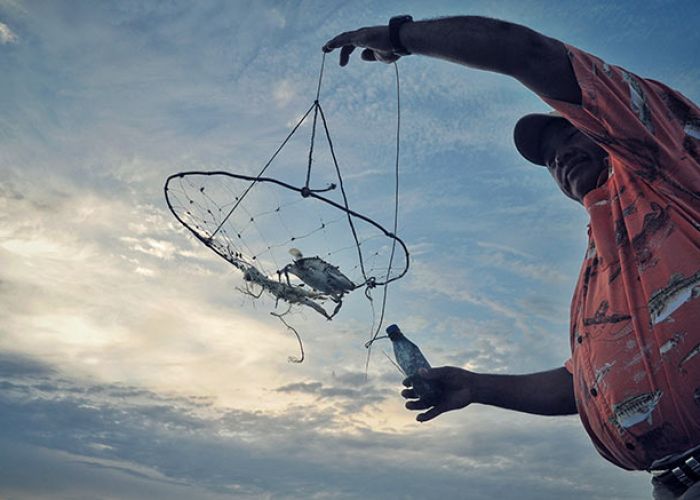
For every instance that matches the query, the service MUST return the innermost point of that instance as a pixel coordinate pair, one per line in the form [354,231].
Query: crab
[321,276]
[289,293]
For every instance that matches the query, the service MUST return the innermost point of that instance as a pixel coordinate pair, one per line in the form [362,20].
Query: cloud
[349,391]
[150,246]
[454,284]
[284,93]
[107,434]
[18,365]
[542,272]
[503,248]
[7,35]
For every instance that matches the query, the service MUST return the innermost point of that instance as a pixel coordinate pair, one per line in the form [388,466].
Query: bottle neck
[396,336]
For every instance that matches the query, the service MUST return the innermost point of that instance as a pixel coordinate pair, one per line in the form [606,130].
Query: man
[628,150]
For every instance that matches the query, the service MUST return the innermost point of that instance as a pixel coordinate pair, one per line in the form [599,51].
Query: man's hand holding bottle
[456,391]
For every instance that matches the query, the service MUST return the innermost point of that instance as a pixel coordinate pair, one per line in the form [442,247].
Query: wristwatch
[395,24]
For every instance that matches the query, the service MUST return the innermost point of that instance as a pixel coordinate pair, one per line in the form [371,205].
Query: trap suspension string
[396,197]
[269,162]
[346,205]
[317,105]
[368,345]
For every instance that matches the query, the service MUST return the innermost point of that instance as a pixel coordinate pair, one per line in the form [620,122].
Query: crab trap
[290,230]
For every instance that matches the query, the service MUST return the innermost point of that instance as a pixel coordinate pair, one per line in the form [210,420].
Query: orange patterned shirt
[635,313]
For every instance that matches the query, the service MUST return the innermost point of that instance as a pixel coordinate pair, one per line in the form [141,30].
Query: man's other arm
[543,393]
[537,61]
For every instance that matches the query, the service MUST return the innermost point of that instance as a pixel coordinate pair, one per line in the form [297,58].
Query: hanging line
[317,107]
[376,336]
[396,195]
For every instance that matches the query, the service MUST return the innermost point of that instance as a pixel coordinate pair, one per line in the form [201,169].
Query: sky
[132,366]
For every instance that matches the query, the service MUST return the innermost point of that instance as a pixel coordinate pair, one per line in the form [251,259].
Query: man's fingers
[409,394]
[345,54]
[431,414]
[419,404]
[363,38]
[337,42]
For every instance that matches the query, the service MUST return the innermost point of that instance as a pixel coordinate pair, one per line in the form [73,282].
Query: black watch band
[395,24]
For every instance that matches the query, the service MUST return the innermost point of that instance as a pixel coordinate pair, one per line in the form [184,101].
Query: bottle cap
[393,331]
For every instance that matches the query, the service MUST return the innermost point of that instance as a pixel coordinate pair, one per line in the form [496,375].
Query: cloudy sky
[131,365]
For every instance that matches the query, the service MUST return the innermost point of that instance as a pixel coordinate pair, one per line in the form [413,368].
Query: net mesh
[263,223]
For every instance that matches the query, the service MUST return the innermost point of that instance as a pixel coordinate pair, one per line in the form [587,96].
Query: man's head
[577,164]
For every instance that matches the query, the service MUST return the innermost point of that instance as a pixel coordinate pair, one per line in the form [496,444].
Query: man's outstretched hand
[456,388]
[374,40]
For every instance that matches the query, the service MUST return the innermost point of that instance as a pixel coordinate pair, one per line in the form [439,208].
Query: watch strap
[395,24]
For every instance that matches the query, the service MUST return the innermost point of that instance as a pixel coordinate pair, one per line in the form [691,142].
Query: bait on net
[293,237]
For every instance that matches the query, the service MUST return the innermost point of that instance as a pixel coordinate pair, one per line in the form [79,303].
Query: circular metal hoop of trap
[208,238]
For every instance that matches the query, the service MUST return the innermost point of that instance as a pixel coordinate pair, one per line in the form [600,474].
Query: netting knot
[305,192]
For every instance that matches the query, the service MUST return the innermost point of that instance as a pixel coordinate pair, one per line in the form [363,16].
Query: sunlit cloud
[7,35]
[503,248]
[284,93]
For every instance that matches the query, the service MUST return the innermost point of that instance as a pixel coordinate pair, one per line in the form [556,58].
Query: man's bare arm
[537,61]
[543,393]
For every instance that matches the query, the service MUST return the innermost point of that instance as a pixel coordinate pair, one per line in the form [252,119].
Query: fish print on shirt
[679,291]
[601,318]
[621,236]
[629,210]
[600,374]
[606,69]
[657,226]
[636,409]
[690,122]
[615,270]
[638,101]
[671,343]
[692,129]
[591,270]
[623,331]
[638,357]
[644,153]
[591,252]
[692,354]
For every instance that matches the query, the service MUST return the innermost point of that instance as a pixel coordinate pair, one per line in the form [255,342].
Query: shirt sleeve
[613,101]
[648,126]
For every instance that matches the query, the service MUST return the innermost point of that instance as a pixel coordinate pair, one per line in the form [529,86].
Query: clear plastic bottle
[410,359]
